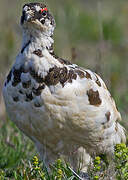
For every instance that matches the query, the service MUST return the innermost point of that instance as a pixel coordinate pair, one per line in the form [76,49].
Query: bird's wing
[87,107]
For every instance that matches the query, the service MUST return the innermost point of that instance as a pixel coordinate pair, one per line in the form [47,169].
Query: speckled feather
[62,107]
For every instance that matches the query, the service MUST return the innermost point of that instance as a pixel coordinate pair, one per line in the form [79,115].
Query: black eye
[44,13]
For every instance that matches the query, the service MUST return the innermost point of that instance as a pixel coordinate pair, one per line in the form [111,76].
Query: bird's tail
[120,133]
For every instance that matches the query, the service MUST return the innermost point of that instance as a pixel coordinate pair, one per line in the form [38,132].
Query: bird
[65,109]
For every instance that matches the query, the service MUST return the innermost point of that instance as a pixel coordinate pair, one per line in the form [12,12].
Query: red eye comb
[44,9]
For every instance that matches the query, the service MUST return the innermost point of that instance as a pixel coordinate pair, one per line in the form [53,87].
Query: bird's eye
[43,11]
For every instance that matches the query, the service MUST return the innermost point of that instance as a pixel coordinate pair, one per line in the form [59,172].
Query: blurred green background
[91,33]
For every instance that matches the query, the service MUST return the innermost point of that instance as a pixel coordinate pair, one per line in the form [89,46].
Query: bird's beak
[27,16]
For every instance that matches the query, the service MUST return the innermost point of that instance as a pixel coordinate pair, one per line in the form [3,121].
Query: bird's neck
[37,40]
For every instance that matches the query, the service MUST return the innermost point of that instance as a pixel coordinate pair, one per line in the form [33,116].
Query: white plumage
[63,108]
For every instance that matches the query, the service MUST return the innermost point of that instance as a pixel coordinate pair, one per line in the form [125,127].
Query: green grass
[19,161]
[18,158]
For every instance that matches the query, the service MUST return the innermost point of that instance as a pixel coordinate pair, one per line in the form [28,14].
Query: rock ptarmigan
[62,107]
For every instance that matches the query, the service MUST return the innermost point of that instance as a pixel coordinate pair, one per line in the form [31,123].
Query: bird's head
[36,16]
